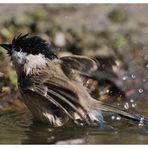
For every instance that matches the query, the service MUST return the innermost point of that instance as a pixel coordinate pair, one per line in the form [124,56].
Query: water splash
[141,122]
[126,105]
[133,76]
[118,118]
[134,105]
[140,90]
[113,117]
[107,91]
[125,78]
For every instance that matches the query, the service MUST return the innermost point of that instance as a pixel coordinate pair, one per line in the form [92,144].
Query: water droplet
[113,117]
[49,129]
[134,105]
[118,118]
[124,77]
[126,105]
[141,122]
[133,76]
[131,100]
[140,90]
[107,90]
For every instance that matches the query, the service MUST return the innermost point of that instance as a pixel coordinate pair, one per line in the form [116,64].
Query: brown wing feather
[60,91]
[80,63]
[74,66]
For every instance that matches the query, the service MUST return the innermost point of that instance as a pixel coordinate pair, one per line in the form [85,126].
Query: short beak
[8,47]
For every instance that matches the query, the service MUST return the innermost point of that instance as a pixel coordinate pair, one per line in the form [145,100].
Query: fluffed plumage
[54,88]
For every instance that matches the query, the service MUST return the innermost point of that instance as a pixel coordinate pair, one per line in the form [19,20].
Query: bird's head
[29,48]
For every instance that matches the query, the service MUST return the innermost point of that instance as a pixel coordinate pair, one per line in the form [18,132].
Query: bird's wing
[77,67]
[105,69]
[99,69]
[62,94]
[79,63]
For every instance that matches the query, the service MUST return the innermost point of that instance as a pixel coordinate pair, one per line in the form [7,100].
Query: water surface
[19,128]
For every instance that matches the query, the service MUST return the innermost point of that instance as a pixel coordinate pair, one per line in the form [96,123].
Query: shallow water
[19,128]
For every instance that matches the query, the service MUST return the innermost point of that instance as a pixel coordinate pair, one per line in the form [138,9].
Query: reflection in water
[18,128]
[13,126]
[43,134]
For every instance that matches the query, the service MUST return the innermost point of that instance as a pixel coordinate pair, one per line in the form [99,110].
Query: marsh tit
[52,87]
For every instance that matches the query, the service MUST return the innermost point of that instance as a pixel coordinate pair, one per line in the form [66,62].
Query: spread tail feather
[109,108]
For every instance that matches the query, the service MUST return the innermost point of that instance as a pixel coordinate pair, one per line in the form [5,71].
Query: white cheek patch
[33,62]
[26,63]
[19,57]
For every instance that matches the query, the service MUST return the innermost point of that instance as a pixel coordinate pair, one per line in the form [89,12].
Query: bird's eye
[17,49]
